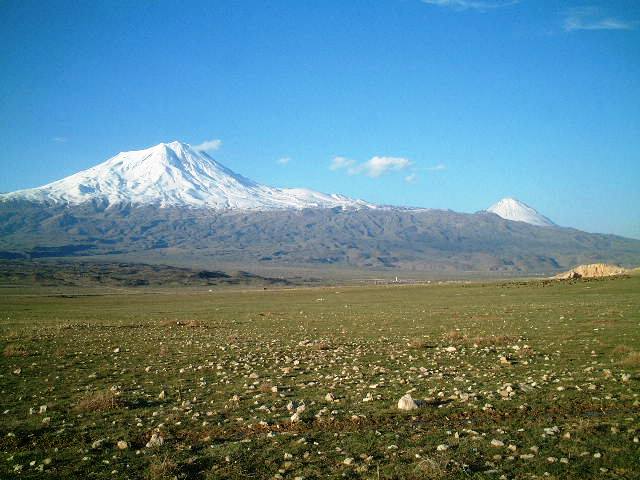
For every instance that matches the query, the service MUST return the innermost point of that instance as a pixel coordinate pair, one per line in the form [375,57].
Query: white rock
[155,441]
[97,444]
[407,403]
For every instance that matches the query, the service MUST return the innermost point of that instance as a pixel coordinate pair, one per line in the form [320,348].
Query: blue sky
[436,103]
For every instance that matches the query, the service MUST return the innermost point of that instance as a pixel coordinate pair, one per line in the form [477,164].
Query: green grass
[100,362]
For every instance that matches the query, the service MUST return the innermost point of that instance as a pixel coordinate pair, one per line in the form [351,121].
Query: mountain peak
[175,174]
[513,209]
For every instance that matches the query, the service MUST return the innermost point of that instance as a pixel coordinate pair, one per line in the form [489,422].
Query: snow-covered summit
[175,174]
[513,209]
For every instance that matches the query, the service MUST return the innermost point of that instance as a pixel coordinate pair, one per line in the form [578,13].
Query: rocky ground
[513,380]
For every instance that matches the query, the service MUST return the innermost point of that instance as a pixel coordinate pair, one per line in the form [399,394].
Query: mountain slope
[436,241]
[174,174]
[517,211]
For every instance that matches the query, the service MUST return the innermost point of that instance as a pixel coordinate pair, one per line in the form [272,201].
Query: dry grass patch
[15,350]
[631,360]
[622,350]
[161,468]
[494,340]
[266,388]
[454,336]
[418,343]
[194,324]
[182,323]
[99,401]
[431,468]
[321,346]
[169,323]
[59,352]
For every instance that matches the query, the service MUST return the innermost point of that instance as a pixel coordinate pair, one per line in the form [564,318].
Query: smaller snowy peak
[517,211]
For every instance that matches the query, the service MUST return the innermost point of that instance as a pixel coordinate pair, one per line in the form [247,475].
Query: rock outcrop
[593,270]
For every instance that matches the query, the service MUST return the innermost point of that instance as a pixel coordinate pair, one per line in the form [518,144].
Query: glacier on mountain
[175,174]
[517,211]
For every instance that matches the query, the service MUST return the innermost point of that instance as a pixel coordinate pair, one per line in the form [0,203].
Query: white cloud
[411,178]
[208,145]
[479,5]
[379,166]
[341,162]
[60,139]
[592,18]
[437,168]
[373,168]
[283,161]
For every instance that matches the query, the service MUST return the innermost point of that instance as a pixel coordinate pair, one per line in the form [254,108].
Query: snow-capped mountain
[175,174]
[517,211]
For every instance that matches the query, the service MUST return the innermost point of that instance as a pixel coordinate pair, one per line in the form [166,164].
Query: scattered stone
[156,440]
[97,444]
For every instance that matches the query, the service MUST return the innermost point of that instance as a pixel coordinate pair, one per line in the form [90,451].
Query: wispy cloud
[437,168]
[283,161]
[411,178]
[60,139]
[479,5]
[208,145]
[341,162]
[592,18]
[374,168]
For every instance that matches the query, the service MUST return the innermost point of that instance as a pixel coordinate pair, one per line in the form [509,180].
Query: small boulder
[406,402]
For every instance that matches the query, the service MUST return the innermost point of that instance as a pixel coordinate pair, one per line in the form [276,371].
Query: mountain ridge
[174,174]
[439,241]
[212,215]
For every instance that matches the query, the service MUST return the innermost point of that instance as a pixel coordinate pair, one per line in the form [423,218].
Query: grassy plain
[518,380]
